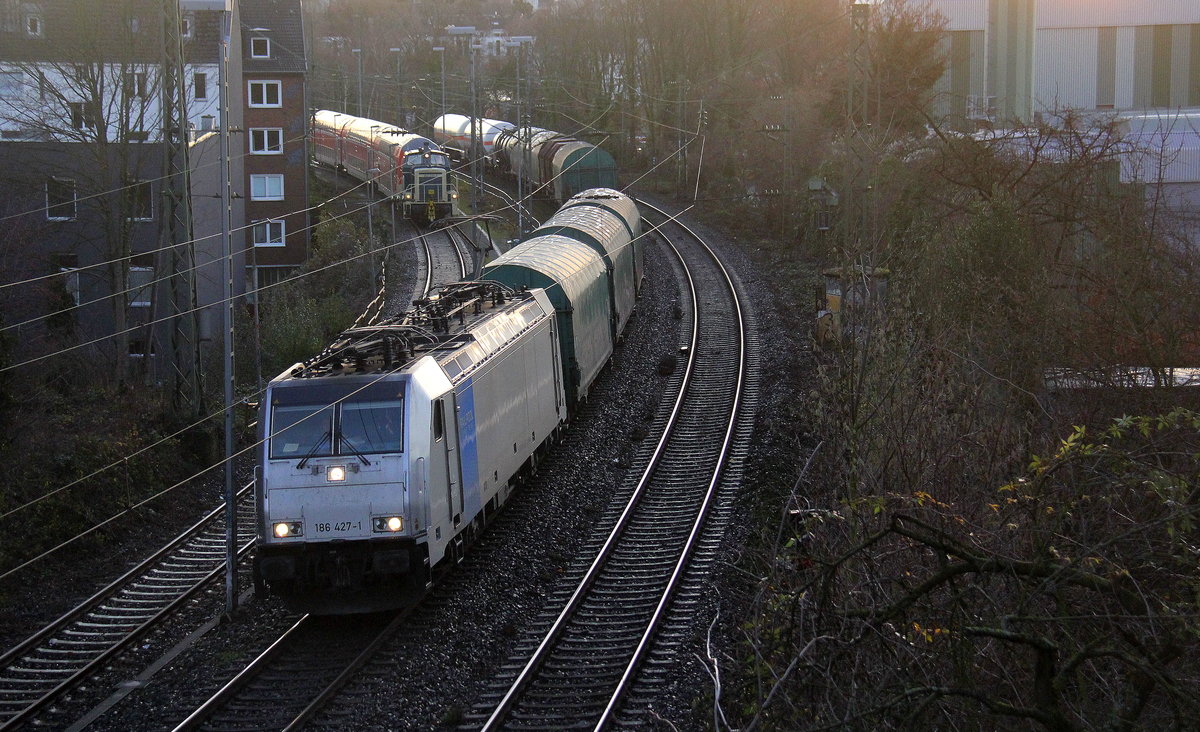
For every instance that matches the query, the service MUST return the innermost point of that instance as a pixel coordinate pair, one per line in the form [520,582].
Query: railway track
[599,661]
[616,643]
[292,680]
[443,264]
[62,655]
[295,677]
[613,645]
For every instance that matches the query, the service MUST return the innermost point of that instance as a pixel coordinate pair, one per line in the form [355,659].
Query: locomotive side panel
[515,409]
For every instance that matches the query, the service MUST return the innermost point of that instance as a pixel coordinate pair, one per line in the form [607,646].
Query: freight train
[557,166]
[383,457]
[410,168]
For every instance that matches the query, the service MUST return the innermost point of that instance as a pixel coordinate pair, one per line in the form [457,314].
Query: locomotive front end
[429,191]
[337,519]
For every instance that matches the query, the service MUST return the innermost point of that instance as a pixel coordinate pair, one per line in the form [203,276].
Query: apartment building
[274,69]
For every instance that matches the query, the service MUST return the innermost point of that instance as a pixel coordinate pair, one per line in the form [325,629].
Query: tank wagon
[411,169]
[453,132]
[557,166]
[383,457]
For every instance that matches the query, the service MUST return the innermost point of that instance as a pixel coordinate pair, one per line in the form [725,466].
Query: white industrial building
[1012,59]
[1014,62]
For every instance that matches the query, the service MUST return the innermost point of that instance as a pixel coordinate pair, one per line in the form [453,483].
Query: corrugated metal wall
[1126,67]
[963,15]
[1095,13]
[1067,67]
[1089,54]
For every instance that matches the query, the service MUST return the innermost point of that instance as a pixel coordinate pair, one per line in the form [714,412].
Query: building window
[60,199]
[266,187]
[268,234]
[33,25]
[141,280]
[265,94]
[266,141]
[140,195]
[261,280]
[11,83]
[135,84]
[82,116]
[260,48]
[200,86]
[70,283]
[185,25]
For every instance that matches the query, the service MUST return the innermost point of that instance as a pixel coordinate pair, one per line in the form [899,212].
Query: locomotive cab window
[439,420]
[418,160]
[369,427]
[301,430]
[349,428]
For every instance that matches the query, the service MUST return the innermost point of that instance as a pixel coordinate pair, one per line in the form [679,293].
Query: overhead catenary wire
[119,189]
[167,318]
[140,326]
[384,248]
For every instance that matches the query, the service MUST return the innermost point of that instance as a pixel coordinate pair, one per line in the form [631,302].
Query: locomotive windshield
[300,431]
[371,426]
[349,428]
[432,160]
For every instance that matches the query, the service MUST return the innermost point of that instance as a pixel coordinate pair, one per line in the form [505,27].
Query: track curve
[588,666]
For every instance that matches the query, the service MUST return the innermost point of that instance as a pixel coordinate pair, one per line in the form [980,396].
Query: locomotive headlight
[454,195]
[383,524]
[407,196]
[335,473]
[284,529]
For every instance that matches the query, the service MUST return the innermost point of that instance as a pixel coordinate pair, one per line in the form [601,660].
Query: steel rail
[697,526]
[90,663]
[428,264]
[111,588]
[318,703]
[457,241]
[243,677]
